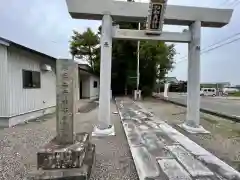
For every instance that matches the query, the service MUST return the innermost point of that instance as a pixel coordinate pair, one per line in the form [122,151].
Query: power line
[234,3]
[184,57]
[205,50]
[181,61]
[237,4]
[223,3]
[213,48]
[214,44]
[221,45]
[225,39]
[229,3]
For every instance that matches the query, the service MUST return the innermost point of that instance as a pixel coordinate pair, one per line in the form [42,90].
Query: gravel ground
[224,140]
[18,147]
[113,156]
[89,107]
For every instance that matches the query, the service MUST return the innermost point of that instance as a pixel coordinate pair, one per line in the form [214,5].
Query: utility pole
[138,57]
[159,86]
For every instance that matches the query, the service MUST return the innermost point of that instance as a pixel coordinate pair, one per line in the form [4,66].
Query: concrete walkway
[160,152]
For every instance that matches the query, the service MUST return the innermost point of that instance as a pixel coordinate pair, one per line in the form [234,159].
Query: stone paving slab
[217,177]
[173,169]
[161,152]
[193,166]
[147,166]
[154,145]
[220,167]
[185,141]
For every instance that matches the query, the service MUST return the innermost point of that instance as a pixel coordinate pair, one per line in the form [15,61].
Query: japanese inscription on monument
[65,101]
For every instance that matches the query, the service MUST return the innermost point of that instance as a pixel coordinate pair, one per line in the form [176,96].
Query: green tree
[86,46]
[156,59]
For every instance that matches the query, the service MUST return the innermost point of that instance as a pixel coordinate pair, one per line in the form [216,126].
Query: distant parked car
[208,92]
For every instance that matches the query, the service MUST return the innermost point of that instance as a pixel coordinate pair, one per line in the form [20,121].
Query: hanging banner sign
[156,17]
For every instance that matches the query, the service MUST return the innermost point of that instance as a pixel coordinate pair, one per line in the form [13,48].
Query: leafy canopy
[156,59]
[86,46]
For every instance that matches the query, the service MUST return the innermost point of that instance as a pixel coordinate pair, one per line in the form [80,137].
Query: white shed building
[28,83]
[88,83]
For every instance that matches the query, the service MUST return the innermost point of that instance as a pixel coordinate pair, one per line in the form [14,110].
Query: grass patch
[224,127]
[213,121]
[231,132]
[237,131]
[237,94]
[236,165]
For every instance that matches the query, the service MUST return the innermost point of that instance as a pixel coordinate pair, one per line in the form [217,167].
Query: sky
[46,26]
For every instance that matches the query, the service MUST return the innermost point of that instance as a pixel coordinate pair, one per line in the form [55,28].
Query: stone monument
[68,155]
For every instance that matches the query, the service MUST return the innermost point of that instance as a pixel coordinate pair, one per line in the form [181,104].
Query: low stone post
[166,87]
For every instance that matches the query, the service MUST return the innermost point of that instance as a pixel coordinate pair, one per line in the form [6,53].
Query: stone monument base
[68,162]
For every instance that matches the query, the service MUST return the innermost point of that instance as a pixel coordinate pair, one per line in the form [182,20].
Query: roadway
[229,107]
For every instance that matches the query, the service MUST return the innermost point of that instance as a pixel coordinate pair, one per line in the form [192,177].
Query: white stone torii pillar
[104,126]
[192,123]
[195,17]
[193,93]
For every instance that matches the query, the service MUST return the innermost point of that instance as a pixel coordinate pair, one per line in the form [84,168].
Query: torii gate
[109,10]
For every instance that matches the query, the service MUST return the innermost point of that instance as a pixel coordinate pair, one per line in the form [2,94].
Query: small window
[31,79]
[95,84]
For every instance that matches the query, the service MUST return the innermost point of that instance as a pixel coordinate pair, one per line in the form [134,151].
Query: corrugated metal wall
[27,100]
[4,111]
